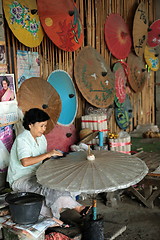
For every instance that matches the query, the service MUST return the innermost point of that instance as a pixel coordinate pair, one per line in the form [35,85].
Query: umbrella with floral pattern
[23,20]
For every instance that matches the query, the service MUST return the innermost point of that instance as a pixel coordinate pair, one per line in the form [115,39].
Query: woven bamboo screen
[93,14]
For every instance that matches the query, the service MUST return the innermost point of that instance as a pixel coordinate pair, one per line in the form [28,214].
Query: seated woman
[28,151]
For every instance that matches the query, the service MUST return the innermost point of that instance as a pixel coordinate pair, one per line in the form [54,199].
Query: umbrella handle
[94,209]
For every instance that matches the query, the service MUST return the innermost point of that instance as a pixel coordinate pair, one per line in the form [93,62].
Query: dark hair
[5,79]
[34,115]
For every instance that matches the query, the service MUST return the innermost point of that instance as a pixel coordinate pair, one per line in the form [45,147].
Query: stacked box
[96,122]
[122,145]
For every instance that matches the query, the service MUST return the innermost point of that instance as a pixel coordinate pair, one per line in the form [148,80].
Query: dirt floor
[141,222]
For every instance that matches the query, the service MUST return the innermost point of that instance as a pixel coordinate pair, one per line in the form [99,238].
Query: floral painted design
[70,32]
[21,15]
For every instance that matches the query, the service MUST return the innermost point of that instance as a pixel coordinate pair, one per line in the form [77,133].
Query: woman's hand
[55,153]
[32,160]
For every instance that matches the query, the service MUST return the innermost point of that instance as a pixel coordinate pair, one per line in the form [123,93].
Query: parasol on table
[138,74]
[92,172]
[94,78]
[63,84]
[140,29]
[117,36]
[151,58]
[23,20]
[154,34]
[61,22]
[108,172]
[38,93]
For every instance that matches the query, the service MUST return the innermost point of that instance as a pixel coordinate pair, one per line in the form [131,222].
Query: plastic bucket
[93,229]
[24,207]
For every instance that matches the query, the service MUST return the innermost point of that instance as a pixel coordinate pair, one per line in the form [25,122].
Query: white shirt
[24,146]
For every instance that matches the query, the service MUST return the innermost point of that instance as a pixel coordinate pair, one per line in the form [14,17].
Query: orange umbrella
[137,75]
[117,36]
[61,22]
[38,93]
[140,29]
[94,78]
[24,22]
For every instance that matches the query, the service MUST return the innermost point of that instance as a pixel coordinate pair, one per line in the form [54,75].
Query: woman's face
[38,128]
[4,84]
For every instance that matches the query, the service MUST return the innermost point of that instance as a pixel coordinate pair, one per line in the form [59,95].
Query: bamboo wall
[93,14]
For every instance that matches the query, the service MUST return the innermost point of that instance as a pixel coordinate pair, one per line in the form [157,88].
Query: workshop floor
[141,223]
[145,144]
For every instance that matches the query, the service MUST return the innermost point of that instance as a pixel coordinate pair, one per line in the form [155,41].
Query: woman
[6,94]
[27,153]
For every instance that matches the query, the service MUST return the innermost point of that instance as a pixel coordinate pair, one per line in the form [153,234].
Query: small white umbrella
[108,172]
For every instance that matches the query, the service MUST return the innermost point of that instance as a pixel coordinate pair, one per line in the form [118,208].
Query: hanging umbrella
[63,84]
[61,22]
[108,172]
[154,34]
[120,82]
[94,78]
[38,93]
[123,113]
[151,58]
[138,73]
[140,29]
[61,137]
[117,36]
[23,20]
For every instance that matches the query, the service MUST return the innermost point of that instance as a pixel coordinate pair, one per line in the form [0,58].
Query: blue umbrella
[63,84]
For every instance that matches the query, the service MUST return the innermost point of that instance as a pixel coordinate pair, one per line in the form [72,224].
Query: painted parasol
[61,22]
[108,172]
[154,34]
[94,78]
[140,29]
[123,113]
[151,58]
[117,36]
[120,82]
[63,84]
[138,74]
[38,93]
[23,20]
[61,137]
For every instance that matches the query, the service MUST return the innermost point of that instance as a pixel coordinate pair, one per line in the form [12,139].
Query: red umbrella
[154,34]
[61,22]
[117,36]
[61,137]
[120,82]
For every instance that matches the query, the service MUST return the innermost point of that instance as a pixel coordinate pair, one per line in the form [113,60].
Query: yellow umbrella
[24,22]
[151,58]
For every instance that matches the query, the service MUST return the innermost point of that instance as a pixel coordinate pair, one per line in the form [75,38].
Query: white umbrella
[108,172]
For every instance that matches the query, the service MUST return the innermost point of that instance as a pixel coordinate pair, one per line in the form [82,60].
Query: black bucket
[24,207]
[93,229]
